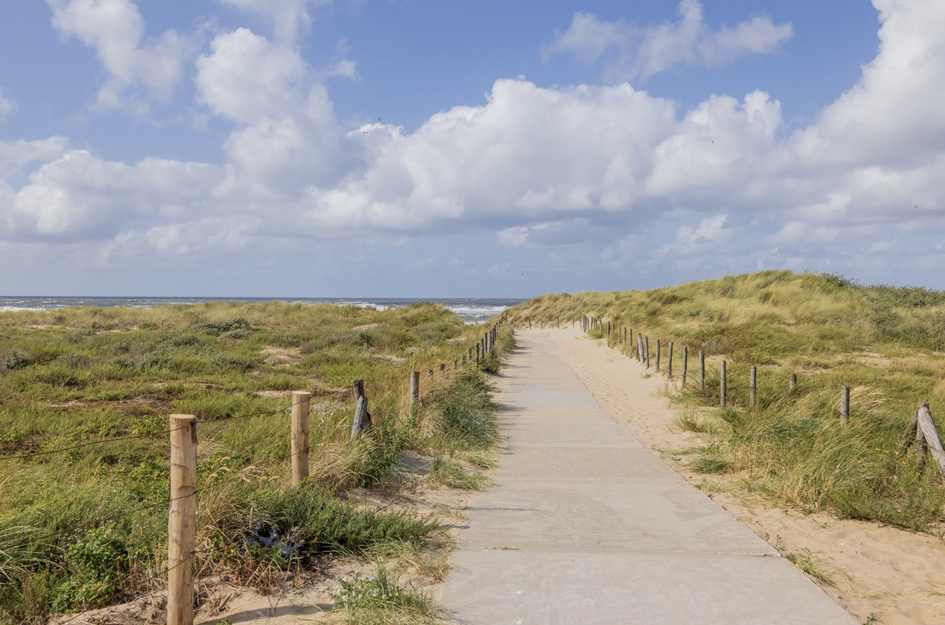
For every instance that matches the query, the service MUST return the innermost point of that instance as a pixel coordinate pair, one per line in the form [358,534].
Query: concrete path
[587,526]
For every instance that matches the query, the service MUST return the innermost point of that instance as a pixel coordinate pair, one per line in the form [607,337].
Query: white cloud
[289,18]
[7,106]
[632,52]
[115,29]
[246,78]
[15,155]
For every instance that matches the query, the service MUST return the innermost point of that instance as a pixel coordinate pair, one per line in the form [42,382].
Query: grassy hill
[884,342]
[85,395]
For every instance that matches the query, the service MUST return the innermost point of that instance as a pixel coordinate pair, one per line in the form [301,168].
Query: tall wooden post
[659,352]
[685,364]
[701,370]
[722,385]
[414,391]
[299,446]
[844,405]
[793,381]
[477,354]
[646,349]
[669,362]
[751,386]
[182,520]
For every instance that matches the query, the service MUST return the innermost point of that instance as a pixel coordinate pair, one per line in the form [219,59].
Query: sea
[471,310]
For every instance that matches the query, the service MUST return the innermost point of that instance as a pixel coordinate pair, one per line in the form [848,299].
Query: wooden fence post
[844,404]
[414,391]
[722,385]
[927,426]
[793,381]
[753,379]
[362,418]
[477,354]
[685,364]
[658,353]
[299,442]
[701,370]
[669,362]
[182,520]
[646,349]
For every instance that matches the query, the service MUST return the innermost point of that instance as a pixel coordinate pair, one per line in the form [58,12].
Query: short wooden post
[930,436]
[685,364]
[182,520]
[844,404]
[669,362]
[701,370]
[793,381]
[722,385]
[658,353]
[751,386]
[362,418]
[529,323]
[477,354]
[414,391]
[299,442]
[646,351]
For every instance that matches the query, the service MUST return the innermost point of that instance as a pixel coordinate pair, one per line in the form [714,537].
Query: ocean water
[471,310]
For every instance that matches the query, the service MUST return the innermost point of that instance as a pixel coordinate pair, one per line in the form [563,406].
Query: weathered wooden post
[658,353]
[182,520]
[722,385]
[751,386]
[529,323]
[299,441]
[477,354]
[793,381]
[930,436]
[701,370]
[414,391]
[669,362]
[646,349]
[362,418]
[685,364]
[844,404]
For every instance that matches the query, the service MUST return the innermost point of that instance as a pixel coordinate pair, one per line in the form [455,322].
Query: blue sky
[231,147]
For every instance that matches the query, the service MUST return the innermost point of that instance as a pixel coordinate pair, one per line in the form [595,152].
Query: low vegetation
[885,343]
[87,527]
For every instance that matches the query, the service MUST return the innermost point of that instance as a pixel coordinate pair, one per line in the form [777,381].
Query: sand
[895,575]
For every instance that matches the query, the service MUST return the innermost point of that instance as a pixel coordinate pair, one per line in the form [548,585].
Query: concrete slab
[611,517]
[598,434]
[594,464]
[497,587]
[546,398]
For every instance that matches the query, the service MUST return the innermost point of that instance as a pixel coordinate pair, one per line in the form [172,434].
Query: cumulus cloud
[7,106]
[631,52]
[289,18]
[115,29]
[553,167]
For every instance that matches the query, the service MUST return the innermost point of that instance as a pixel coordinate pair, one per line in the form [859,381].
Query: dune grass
[81,375]
[885,343]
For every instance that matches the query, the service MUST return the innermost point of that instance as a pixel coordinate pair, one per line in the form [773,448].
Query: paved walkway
[587,526]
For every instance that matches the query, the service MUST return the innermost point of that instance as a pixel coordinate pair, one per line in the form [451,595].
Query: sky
[422,148]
